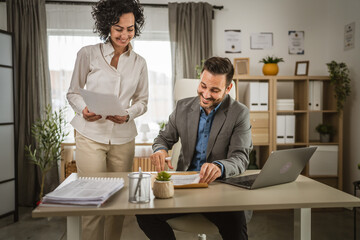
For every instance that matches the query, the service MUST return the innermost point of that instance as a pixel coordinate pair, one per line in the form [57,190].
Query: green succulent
[272,59]
[163,176]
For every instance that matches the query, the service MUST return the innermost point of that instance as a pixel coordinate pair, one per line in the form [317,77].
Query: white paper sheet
[103,104]
[185,179]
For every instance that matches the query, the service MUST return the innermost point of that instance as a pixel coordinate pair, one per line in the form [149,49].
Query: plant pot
[270,69]
[163,189]
[324,138]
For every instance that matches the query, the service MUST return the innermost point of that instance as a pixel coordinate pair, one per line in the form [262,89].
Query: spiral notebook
[88,191]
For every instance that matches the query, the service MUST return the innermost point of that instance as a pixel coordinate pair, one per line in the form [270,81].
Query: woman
[107,143]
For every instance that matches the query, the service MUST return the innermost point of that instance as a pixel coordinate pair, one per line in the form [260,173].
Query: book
[86,191]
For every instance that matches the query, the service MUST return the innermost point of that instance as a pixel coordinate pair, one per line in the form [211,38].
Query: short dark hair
[107,13]
[219,65]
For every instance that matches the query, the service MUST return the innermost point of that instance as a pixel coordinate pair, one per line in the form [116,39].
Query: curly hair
[107,13]
[219,65]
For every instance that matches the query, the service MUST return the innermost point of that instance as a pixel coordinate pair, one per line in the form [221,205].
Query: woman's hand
[118,119]
[90,116]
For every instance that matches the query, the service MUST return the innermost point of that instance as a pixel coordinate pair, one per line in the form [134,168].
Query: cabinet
[8,180]
[305,92]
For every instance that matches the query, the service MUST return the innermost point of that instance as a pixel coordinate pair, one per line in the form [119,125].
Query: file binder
[280,128]
[318,95]
[290,129]
[311,96]
[263,96]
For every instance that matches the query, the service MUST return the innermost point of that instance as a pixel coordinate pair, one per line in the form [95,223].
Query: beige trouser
[98,157]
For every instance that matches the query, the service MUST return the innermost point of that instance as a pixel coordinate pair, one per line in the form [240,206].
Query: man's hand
[117,119]
[209,172]
[158,160]
[90,116]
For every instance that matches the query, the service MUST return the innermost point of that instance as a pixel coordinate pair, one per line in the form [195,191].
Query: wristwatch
[218,165]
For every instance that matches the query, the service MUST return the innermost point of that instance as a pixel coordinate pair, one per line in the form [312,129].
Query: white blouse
[129,82]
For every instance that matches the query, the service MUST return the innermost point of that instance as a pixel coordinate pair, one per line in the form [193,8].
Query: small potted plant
[271,65]
[339,78]
[163,185]
[325,131]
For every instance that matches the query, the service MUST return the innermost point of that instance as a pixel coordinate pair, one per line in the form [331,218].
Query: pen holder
[139,187]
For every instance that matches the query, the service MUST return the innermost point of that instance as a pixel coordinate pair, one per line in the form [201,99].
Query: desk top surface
[302,193]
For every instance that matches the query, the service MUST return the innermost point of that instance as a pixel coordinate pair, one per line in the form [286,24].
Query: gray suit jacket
[230,136]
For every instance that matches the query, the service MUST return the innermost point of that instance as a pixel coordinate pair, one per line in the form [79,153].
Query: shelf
[291,144]
[323,176]
[321,143]
[291,111]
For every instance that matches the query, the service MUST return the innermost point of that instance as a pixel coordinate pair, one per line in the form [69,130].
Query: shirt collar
[108,49]
[212,111]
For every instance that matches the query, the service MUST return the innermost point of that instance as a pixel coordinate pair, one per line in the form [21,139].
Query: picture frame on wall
[242,66]
[302,68]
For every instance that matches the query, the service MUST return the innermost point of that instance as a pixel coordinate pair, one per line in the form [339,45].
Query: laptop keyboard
[246,180]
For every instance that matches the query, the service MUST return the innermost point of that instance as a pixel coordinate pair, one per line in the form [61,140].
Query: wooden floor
[326,224]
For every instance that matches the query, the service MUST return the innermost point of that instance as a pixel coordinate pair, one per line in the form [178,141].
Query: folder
[318,95]
[311,96]
[263,96]
[290,129]
[252,96]
[280,128]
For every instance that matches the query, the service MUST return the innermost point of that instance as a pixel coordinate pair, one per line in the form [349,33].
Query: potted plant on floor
[339,78]
[271,65]
[49,133]
[163,185]
[325,131]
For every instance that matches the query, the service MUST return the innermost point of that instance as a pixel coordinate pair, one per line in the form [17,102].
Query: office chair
[193,223]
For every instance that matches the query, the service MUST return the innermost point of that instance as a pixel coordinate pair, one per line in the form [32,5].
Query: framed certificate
[302,68]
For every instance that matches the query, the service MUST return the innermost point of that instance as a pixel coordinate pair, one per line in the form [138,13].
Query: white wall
[3,16]
[340,14]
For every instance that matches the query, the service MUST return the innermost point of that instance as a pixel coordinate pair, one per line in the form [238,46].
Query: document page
[102,104]
[185,179]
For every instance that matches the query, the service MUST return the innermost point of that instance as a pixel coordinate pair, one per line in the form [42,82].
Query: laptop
[282,166]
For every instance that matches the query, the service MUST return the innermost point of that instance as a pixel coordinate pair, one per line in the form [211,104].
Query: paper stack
[285,104]
[85,191]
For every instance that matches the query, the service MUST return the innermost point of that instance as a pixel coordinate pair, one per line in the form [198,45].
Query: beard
[212,103]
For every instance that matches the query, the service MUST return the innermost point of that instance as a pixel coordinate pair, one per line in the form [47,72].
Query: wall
[3,17]
[340,14]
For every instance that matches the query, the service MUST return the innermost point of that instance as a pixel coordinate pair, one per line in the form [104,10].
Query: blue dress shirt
[204,128]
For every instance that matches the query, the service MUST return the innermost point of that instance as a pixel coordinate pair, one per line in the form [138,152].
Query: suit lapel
[193,117]
[219,120]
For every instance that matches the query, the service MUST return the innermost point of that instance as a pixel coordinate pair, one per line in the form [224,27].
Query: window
[62,56]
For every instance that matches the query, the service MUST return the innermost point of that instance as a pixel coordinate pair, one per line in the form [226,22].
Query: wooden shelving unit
[264,122]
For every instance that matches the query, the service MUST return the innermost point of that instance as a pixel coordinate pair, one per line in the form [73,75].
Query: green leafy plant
[198,68]
[162,125]
[339,78]
[163,176]
[48,132]
[325,129]
[271,59]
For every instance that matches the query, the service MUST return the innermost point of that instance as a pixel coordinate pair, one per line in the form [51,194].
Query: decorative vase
[270,69]
[163,189]
[324,138]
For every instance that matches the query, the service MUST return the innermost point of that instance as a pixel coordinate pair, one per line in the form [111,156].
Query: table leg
[73,228]
[302,224]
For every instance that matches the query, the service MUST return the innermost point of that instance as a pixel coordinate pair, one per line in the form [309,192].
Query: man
[215,134]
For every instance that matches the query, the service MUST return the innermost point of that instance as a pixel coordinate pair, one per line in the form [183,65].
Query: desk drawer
[259,120]
[260,136]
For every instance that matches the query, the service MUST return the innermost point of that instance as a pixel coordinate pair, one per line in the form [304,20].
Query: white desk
[301,195]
